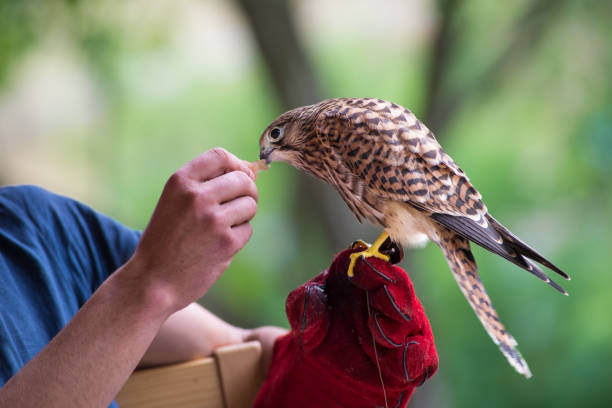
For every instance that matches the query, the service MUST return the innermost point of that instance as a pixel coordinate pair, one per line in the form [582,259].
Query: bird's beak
[264,154]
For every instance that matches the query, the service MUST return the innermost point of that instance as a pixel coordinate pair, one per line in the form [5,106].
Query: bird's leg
[371,251]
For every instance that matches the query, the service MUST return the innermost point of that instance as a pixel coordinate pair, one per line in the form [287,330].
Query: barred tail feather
[456,249]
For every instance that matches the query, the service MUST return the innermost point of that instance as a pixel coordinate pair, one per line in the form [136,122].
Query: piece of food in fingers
[257,166]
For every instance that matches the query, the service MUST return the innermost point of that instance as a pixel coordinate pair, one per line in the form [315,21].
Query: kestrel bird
[391,171]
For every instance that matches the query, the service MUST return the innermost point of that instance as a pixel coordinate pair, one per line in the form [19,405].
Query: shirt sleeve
[54,253]
[67,234]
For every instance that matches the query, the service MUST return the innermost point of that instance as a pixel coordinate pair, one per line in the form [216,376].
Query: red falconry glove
[328,358]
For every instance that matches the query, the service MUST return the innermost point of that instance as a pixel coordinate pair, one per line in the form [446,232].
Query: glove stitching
[399,401]
[382,382]
[397,309]
[306,296]
[424,377]
[394,344]
[404,359]
[377,271]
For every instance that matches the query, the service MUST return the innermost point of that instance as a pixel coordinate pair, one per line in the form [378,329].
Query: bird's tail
[461,261]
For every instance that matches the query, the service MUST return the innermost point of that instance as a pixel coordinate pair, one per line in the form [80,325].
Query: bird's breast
[407,225]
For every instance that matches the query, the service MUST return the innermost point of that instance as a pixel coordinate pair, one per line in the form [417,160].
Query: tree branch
[317,207]
[440,61]
[291,72]
[529,30]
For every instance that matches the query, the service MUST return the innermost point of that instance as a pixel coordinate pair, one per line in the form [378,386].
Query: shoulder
[23,194]
[39,207]
[68,230]
[53,214]
[22,206]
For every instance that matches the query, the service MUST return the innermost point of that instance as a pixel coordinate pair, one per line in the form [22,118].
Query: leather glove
[347,333]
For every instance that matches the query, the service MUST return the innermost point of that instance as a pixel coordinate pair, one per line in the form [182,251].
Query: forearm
[200,222]
[190,333]
[194,332]
[90,359]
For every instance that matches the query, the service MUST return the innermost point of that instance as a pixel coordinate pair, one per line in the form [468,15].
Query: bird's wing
[499,240]
[461,261]
[385,147]
[359,199]
[396,156]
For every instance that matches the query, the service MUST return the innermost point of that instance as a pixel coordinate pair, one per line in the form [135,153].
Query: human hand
[329,357]
[200,222]
[266,336]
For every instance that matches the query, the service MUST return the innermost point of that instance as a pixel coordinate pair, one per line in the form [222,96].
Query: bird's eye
[275,133]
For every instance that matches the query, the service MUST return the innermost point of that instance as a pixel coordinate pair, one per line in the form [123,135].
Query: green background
[103,100]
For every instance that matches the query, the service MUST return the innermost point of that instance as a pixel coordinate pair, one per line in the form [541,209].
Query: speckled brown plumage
[391,171]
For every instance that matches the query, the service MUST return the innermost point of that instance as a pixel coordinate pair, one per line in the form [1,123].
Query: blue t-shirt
[54,253]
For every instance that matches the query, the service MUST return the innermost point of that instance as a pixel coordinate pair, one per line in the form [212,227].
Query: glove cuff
[304,380]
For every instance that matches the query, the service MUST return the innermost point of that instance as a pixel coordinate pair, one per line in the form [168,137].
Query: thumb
[266,336]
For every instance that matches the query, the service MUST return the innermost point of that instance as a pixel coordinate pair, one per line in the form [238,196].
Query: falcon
[391,171]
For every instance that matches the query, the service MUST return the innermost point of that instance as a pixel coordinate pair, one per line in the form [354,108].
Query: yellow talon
[372,251]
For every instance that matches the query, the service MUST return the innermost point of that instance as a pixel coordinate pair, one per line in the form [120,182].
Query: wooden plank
[194,384]
[241,373]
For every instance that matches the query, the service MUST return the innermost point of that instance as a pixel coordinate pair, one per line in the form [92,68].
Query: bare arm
[194,332]
[200,222]
[190,333]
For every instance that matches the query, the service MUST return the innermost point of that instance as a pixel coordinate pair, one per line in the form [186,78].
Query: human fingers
[229,186]
[266,336]
[215,162]
[240,235]
[238,211]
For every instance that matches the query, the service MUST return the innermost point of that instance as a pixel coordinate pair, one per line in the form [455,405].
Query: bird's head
[289,137]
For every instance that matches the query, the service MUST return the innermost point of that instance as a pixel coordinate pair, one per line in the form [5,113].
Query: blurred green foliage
[537,143]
